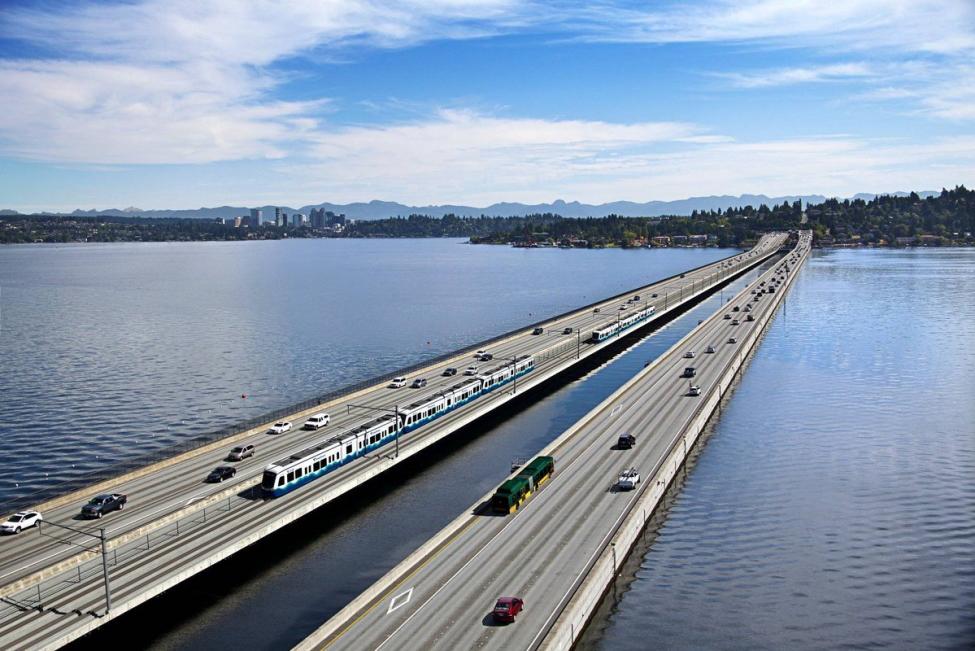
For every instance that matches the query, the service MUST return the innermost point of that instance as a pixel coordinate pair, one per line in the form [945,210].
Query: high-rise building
[297,219]
[257,217]
[237,221]
[280,218]
[318,218]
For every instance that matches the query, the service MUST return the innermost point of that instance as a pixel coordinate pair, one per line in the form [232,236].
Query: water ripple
[834,504]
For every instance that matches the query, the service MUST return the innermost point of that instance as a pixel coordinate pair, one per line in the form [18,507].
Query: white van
[317,421]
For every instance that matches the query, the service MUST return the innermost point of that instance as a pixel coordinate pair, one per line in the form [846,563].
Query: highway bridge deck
[551,551]
[174,525]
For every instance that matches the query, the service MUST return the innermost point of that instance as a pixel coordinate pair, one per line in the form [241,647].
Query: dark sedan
[220,473]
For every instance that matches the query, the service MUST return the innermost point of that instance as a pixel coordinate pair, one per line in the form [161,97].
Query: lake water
[276,592]
[108,351]
[833,505]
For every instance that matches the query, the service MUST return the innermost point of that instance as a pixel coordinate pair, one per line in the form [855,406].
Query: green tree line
[942,218]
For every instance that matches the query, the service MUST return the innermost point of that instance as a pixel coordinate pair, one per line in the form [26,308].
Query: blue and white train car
[312,462]
[616,327]
[300,468]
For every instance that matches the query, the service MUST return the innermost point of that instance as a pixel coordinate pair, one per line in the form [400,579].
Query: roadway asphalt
[173,488]
[539,552]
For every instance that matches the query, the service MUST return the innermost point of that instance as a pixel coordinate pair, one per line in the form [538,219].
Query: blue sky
[188,103]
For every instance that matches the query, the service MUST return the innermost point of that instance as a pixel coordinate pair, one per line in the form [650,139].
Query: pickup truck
[102,504]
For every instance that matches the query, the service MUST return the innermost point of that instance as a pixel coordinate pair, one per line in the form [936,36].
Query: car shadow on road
[491,622]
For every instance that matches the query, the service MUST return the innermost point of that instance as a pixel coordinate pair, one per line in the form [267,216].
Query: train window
[280,480]
[348,449]
[291,476]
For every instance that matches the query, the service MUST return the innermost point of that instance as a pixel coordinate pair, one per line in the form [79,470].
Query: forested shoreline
[941,220]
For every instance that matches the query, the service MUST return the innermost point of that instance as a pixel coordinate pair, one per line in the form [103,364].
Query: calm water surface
[108,351]
[278,591]
[833,505]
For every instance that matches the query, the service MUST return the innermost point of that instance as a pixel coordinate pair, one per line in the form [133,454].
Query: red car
[506,608]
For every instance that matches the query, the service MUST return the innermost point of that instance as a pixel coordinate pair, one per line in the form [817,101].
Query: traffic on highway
[351,439]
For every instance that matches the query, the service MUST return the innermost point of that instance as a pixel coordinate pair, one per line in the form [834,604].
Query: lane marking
[396,603]
[513,340]
[532,504]
[398,584]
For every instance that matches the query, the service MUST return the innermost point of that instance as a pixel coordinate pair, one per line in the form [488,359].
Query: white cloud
[924,88]
[464,154]
[899,39]
[256,33]
[799,75]
[188,81]
[904,25]
[471,158]
[118,113]
[193,81]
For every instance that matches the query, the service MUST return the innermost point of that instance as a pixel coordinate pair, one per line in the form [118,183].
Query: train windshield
[269,478]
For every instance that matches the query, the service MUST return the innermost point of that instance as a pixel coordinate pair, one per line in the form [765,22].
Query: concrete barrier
[586,595]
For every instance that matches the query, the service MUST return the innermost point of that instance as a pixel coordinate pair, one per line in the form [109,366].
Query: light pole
[103,540]
[108,588]
[514,373]
[394,411]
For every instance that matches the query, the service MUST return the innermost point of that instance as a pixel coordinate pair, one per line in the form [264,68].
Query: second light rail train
[302,467]
[621,324]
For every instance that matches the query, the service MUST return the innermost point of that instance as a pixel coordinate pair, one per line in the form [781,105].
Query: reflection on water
[109,351]
[274,594]
[834,503]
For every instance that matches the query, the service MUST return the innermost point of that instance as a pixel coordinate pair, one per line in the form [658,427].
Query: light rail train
[614,327]
[317,460]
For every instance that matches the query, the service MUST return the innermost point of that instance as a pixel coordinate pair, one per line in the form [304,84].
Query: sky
[187,103]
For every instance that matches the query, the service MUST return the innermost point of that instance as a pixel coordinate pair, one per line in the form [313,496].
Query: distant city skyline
[181,104]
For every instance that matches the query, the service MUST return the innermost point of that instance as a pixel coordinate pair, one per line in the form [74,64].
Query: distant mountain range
[384,209]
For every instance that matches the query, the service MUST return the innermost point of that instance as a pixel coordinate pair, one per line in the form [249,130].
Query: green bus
[512,493]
